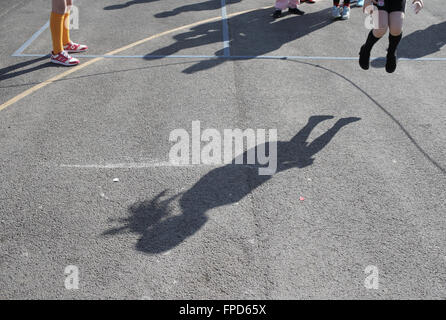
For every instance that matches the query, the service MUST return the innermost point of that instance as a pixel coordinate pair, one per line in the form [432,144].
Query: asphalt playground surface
[370,192]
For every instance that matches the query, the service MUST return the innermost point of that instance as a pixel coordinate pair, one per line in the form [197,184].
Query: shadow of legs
[6,73]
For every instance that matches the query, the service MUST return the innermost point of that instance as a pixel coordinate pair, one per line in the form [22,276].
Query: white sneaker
[72,47]
[346,13]
[64,59]
[336,12]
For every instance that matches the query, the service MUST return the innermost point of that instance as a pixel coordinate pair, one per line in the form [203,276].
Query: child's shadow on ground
[161,231]
[419,44]
[251,34]
[127,4]
[19,68]
[202,6]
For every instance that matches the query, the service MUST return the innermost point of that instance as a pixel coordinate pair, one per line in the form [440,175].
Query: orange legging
[60,32]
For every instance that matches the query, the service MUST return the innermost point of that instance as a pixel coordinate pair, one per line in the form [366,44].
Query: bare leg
[69,5]
[396,20]
[59,6]
[383,24]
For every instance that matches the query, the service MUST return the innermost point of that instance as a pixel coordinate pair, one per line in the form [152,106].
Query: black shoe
[277,14]
[295,11]
[364,58]
[391,63]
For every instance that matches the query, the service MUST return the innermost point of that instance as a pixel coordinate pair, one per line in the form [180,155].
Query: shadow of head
[418,44]
[254,33]
[144,214]
[127,4]
[161,229]
[421,43]
[201,6]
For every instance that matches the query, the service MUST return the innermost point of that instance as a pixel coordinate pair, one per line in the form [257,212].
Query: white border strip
[144,165]
[229,57]
[19,51]
[131,165]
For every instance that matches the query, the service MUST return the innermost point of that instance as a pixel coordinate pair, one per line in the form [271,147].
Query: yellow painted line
[132,45]
[47,82]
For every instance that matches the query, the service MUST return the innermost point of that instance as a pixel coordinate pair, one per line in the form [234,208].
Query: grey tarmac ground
[373,185]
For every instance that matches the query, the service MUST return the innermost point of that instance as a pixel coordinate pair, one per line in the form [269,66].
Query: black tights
[336,2]
[393,42]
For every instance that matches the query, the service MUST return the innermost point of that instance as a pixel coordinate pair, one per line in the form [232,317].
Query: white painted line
[131,165]
[19,51]
[144,165]
[421,59]
[178,56]
[225,30]
[148,57]
[6,11]
[25,55]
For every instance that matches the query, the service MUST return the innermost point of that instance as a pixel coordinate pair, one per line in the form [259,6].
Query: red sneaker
[72,47]
[64,59]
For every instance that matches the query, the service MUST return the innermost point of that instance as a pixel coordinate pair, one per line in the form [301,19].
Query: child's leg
[66,24]
[395,30]
[59,6]
[281,4]
[293,3]
[336,12]
[346,10]
[383,24]
[373,37]
[56,24]
[396,20]
[69,45]
[59,55]
[395,34]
